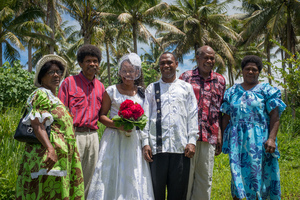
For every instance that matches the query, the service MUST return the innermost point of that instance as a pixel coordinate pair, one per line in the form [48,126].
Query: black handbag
[24,133]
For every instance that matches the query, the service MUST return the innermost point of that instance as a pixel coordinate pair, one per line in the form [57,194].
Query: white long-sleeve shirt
[179,116]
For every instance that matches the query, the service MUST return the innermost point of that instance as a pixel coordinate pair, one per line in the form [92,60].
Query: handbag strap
[158,118]
[25,112]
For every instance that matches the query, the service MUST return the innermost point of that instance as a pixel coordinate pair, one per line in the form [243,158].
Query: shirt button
[157,100]
[158,111]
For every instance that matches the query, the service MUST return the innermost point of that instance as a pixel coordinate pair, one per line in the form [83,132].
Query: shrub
[291,75]
[16,84]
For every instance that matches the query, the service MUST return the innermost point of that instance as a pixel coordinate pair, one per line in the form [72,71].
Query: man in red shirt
[209,88]
[82,94]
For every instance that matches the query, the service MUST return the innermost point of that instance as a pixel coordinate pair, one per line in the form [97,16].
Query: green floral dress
[65,179]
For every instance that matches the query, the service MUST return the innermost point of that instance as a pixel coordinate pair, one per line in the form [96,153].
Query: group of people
[176,149]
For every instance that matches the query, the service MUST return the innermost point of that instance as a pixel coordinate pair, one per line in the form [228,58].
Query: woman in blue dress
[250,125]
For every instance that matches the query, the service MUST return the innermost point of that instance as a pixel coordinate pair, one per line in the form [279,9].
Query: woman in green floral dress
[52,169]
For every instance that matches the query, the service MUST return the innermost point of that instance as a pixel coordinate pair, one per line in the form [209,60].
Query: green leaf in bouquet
[128,126]
[117,123]
[141,126]
[142,122]
[117,120]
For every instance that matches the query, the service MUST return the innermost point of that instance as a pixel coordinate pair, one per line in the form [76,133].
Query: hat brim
[41,63]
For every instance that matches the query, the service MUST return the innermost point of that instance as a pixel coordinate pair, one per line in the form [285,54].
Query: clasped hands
[189,152]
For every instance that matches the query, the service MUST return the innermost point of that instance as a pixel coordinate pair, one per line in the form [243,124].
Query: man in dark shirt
[209,88]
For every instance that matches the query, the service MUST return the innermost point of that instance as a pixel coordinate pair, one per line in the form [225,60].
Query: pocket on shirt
[77,100]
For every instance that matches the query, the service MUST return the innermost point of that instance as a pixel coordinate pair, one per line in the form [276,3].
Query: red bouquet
[130,114]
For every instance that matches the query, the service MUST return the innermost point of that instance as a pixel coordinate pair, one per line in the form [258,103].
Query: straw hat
[45,59]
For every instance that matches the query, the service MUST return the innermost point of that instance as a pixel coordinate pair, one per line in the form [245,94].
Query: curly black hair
[45,68]
[253,59]
[88,50]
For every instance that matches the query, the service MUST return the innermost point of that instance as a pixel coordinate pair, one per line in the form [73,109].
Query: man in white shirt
[170,135]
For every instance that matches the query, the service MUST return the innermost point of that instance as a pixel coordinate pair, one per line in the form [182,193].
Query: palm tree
[202,23]
[17,22]
[152,58]
[107,36]
[267,19]
[88,13]
[51,17]
[137,14]
[67,40]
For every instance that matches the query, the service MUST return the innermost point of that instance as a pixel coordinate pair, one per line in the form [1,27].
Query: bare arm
[41,134]
[220,137]
[225,121]
[106,104]
[270,145]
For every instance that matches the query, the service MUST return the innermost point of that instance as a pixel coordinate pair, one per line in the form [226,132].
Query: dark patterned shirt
[209,94]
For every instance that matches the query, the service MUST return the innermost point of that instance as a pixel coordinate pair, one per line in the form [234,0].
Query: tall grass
[10,152]
[288,140]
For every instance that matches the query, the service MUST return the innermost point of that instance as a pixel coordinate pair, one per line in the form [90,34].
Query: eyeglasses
[127,72]
[58,72]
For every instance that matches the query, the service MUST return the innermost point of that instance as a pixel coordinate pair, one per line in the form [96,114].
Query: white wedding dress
[121,171]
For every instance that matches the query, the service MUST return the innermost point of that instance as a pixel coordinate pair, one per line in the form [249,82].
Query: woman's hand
[122,129]
[51,159]
[270,145]
[41,134]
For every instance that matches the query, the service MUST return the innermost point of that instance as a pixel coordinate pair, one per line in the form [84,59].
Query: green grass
[288,141]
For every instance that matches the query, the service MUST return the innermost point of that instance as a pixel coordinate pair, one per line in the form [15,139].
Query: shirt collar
[195,72]
[85,80]
[160,80]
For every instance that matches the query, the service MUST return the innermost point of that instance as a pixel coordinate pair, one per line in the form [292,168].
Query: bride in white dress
[121,171]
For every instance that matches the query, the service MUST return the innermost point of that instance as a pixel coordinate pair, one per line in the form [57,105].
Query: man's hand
[189,150]
[218,150]
[147,152]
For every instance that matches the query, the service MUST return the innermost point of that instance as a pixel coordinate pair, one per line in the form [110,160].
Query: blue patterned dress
[254,172]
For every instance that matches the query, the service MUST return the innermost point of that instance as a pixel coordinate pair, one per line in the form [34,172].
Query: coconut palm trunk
[269,61]
[51,11]
[1,55]
[30,56]
[134,35]
[108,62]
